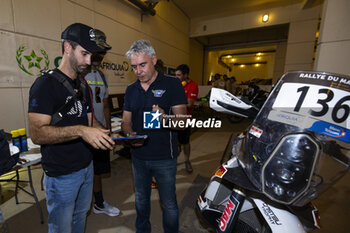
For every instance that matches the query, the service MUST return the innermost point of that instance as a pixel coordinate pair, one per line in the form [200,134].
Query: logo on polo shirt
[151,120]
[158,93]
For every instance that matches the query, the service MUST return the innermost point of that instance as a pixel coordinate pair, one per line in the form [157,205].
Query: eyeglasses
[97,95]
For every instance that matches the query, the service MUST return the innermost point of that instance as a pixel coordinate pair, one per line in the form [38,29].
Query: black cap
[101,39]
[83,35]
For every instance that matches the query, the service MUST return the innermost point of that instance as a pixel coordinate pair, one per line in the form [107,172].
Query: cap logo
[92,35]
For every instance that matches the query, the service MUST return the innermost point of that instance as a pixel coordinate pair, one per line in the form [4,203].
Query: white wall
[37,25]
[334,42]
[301,39]
[280,58]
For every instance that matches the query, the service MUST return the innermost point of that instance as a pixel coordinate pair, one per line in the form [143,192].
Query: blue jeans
[68,199]
[164,171]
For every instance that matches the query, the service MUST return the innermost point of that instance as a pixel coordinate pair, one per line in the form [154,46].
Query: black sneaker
[188,166]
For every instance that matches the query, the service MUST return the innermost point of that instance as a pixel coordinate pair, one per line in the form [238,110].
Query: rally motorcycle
[296,147]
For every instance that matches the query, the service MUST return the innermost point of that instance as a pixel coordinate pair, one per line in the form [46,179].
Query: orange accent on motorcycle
[220,172]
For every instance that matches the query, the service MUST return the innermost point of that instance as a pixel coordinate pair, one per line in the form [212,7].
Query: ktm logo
[226,215]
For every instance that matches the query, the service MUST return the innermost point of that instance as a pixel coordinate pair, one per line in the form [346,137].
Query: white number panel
[322,103]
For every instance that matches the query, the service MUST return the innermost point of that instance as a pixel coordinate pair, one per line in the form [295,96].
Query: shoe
[154,185]
[108,209]
[188,166]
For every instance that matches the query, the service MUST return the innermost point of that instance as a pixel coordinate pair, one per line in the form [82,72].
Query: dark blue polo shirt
[165,92]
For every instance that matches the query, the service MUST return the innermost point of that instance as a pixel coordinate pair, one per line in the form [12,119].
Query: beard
[78,68]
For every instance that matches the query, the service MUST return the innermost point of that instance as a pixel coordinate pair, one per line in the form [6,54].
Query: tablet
[131,138]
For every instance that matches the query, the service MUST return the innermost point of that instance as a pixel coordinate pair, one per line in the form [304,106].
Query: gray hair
[141,46]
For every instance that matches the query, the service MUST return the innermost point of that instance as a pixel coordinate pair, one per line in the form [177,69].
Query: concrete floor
[207,149]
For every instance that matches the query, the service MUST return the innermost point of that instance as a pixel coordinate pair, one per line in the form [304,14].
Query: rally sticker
[255,131]
[331,130]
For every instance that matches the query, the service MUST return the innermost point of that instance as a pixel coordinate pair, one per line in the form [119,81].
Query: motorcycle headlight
[286,175]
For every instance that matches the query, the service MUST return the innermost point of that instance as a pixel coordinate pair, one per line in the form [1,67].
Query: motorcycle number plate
[319,108]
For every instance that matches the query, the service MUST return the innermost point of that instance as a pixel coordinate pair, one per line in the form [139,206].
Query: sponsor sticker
[270,215]
[331,130]
[226,216]
[287,118]
[255,131]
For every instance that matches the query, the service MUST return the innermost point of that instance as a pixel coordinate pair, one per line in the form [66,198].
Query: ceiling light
[232,59]
[257,64]
[242,66]
[258,54]
[258,58]
[265,18]
[228,56]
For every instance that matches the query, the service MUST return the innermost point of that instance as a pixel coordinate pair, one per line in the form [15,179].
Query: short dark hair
[72,43]
[183,68]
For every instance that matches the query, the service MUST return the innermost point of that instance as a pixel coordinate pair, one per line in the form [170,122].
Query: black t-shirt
[46,96]
[165,92]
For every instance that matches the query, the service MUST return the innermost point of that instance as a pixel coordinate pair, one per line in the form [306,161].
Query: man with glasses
[99,88]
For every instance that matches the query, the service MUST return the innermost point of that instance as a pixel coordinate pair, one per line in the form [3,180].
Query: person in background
[159,66]
[227,83]
[153,94]
[210,80]
[99,89]
[66,146]
[191,89]
[233,85]
[219,82]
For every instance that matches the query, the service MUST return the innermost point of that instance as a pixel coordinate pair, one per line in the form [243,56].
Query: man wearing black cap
[64,133]
[99,89]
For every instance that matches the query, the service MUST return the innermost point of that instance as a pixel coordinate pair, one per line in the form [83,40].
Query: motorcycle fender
[279,220]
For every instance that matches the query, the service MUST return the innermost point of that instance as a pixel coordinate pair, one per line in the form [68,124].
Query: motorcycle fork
[230,215]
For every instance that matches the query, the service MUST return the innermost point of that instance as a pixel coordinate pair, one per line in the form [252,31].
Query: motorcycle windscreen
[298,145]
